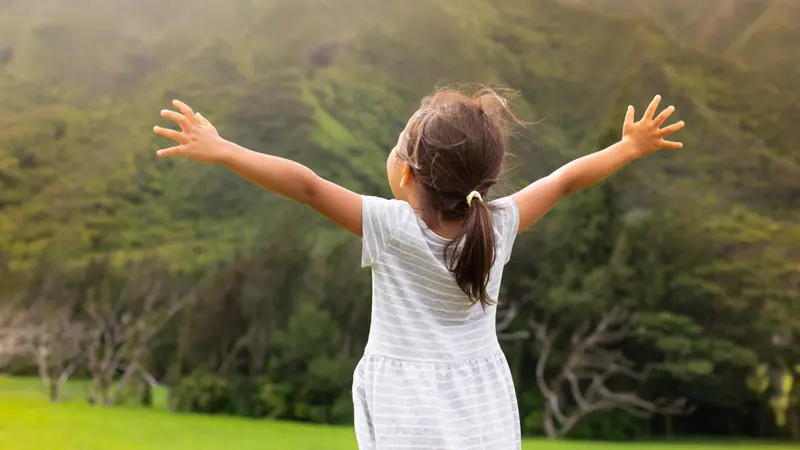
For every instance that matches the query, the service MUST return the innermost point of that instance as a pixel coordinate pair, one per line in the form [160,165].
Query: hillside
[757,34]
[330,83]
[701,245]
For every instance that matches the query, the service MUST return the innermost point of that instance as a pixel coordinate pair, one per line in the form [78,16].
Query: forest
[663,302]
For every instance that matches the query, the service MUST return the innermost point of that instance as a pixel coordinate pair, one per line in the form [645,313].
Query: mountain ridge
[335,98]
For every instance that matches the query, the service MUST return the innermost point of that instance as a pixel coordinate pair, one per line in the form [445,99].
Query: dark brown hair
[456,144]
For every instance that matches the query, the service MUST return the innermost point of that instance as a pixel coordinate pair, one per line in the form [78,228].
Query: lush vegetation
[130,269]
[749,32]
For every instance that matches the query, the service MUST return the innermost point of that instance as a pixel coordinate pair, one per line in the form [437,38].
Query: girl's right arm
[638,139]
[200,141]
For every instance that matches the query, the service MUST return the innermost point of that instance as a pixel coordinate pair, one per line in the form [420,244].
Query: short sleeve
[506,223]
[379,220]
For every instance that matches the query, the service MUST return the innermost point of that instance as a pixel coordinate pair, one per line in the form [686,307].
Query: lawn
[29,422]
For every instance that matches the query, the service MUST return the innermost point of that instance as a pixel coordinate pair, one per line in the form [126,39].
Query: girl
[433,375]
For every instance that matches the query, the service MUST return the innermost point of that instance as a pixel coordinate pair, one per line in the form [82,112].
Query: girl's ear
[407,175]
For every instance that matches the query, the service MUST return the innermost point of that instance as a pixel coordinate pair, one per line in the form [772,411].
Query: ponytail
[475,254]
[457,142]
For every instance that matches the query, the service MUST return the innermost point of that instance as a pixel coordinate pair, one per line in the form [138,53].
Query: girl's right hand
[198,139]
[646,136]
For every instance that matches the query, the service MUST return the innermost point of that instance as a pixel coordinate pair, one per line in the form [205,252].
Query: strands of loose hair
[456,144]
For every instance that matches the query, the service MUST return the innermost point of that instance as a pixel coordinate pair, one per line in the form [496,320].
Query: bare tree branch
[579,386]
[58,343]
[16,332]
[149,378]
[505,318]
[47,334]
[123,326]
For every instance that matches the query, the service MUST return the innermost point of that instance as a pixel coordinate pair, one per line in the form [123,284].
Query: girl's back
[433,374]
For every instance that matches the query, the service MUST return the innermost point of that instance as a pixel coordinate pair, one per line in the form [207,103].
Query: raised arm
[638,139]
[199,140]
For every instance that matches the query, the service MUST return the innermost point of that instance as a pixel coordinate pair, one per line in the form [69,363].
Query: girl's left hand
[198,139]
[646,136]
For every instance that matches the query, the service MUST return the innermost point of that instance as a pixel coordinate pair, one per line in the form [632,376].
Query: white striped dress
[433,375]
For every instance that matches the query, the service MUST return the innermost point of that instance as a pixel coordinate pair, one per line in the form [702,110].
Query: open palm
[646,135]
[198,138]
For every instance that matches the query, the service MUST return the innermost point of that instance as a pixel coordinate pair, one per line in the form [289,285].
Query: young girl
[433,375]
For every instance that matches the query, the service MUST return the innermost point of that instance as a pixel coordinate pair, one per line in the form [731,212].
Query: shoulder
[504,204]
[380,220]
[506,224]
[387,209]
[506,215]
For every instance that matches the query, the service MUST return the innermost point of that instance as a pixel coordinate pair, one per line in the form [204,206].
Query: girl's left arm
[638,139]
[200,141]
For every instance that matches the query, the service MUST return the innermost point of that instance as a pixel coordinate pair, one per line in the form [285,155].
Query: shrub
[204,393]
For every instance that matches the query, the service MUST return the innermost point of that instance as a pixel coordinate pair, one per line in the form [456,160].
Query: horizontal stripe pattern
[433,375]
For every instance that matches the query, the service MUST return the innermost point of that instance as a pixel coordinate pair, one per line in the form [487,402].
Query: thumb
[172,151]
[629,115]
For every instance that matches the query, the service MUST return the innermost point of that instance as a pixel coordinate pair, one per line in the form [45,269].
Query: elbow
[308,189]
[563,184]
[568,189]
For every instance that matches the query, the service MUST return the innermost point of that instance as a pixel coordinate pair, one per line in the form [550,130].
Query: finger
[651,110]
[184,108]
[629,115]
[201,120]
[671,129]
[172,151]
[661,118]
[170,134]
[178,118]
[670,144]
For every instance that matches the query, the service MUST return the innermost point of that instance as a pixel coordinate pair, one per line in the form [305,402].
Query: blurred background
[156,303]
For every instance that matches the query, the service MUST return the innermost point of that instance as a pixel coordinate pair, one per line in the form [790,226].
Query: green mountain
[330,83]
[757,34]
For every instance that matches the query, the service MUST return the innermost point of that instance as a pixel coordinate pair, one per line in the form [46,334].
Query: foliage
[204,393]
[701,245]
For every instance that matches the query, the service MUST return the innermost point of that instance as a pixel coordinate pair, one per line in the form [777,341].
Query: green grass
[29,422]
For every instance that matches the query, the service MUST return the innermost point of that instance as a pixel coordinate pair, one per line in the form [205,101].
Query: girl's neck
[448,229]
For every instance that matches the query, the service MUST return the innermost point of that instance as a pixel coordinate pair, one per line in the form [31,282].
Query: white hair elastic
[472,195]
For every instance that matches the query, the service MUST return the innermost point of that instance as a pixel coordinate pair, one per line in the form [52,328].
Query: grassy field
[29,422]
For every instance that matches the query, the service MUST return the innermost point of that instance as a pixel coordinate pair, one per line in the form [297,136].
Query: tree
[123,317]
[584,382]
[591,374]
[53,340]
[16,331]
[56,345]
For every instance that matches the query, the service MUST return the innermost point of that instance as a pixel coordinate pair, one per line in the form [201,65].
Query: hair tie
[473,194]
